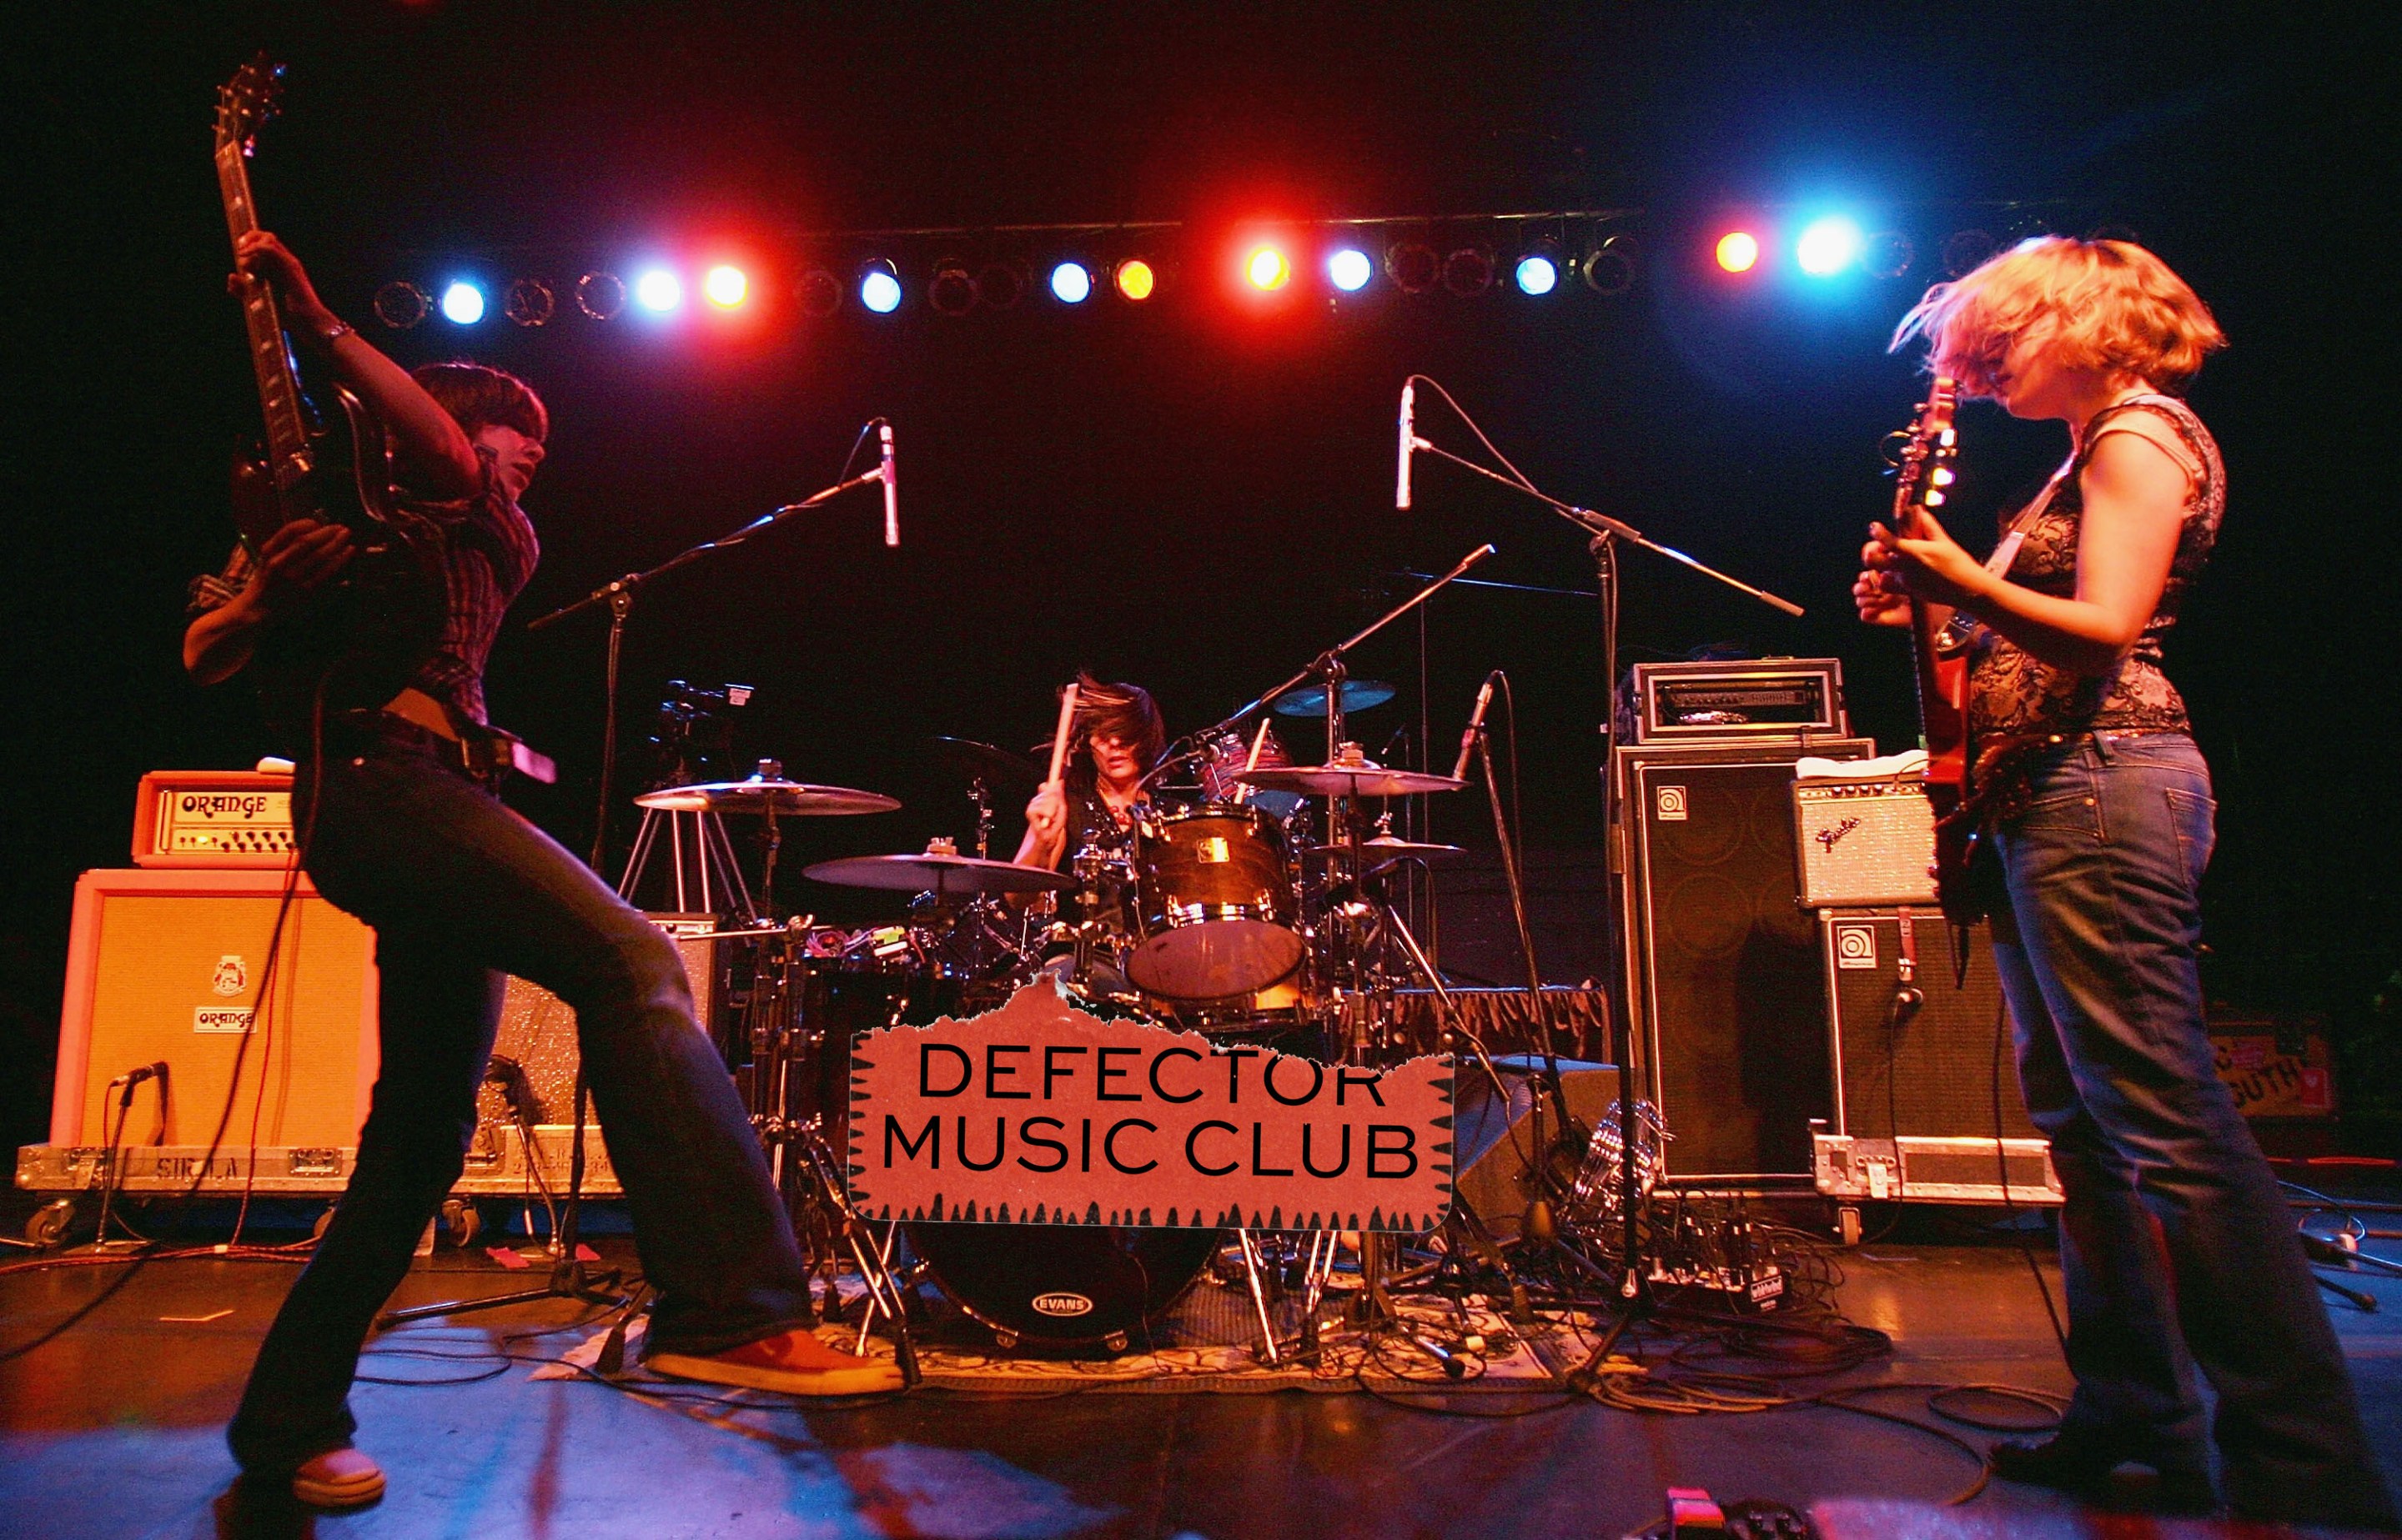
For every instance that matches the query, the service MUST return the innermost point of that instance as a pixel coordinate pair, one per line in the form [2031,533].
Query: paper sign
[1041,1113]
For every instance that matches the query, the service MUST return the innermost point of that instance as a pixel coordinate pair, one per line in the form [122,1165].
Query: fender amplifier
[1864,842]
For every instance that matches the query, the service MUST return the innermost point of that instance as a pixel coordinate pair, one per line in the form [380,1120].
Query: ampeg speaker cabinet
[1491,1133]
[1722,965]
[164,966]
[535,1057]
[1928,1107]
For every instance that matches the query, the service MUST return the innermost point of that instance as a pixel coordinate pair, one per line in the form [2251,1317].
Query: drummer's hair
[1122,711]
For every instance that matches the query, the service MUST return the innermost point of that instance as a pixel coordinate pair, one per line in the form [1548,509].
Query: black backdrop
[1185,495]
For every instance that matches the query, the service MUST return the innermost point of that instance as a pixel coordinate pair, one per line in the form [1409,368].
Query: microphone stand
[568,1279]
[1603,530]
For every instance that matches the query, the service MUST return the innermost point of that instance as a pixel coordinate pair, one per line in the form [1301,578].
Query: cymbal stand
[1603,529]
[886,1290]
[704,863]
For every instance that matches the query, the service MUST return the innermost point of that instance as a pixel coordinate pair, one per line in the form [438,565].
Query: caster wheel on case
[48,1225]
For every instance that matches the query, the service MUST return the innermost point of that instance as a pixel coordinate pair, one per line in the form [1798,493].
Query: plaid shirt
[489,551]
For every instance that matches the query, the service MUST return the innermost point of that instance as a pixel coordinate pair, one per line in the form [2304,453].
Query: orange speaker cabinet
[164,966]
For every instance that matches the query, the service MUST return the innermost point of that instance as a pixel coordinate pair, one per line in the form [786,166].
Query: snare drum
[1215,910]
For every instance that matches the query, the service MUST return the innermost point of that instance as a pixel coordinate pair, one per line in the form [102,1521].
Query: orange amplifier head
[213,817]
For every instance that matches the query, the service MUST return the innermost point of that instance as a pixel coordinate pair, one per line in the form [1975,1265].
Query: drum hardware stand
[1603,529]
[886,1291]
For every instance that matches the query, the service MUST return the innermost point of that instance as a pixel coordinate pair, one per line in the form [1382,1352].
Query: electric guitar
[1924,481]
[365,635]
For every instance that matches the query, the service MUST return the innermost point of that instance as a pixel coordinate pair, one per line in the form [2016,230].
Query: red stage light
[1738,251]
[726,286]
[1267,268]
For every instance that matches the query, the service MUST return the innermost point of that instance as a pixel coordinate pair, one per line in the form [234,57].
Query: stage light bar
[600,296]
[1267,268]
[401,305]
[1608,269]
[1135,279]
[1349,270]
[1412,266]
[1738,251]
[529,302]
[463,303]
[879,287]
[1072,283]
[952,291]
[658,291]
[726,286]
[1827,246]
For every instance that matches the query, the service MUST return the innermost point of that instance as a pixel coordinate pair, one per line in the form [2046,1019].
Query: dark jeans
[462,891]
[2177,1248]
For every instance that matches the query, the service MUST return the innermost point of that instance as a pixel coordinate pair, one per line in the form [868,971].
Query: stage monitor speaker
[1923,1087]
[1722,965]
[165,966]
[1491,1137]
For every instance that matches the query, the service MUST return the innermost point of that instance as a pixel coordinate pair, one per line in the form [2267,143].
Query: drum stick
[1059,739]
[1258,741]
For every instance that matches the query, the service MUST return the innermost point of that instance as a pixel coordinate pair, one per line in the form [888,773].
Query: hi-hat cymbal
[942,874]
[1332,780]
[1385,849]
[756,795]
[1310,699]
[996,767]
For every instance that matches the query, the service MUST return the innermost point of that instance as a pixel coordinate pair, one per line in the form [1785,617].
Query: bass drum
[1064,1285]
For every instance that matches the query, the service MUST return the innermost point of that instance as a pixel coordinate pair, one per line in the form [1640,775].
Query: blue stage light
[658,291]
[879,288]
[1349,270]
[1827,246]
[1537,275]
[463,304]
[1072,283]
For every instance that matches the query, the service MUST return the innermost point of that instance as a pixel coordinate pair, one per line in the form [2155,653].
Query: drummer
[1115,737]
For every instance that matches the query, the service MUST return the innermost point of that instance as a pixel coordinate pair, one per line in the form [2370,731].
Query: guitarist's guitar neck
[1925,484]
[241,107]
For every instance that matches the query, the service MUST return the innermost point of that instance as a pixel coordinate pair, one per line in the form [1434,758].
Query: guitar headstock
[1932,444]
[247,102]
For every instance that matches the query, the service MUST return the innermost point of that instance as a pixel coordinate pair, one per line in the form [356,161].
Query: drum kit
[1248,899]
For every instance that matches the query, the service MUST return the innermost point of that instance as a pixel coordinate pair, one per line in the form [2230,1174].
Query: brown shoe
[339,1478]
[793,1362]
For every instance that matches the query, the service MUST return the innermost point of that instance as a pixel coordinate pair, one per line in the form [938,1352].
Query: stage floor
[116,1429]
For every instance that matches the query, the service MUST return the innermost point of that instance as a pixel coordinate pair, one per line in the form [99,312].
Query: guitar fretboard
[279,387]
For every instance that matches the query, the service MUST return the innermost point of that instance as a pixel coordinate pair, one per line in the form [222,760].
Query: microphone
[135,1077]
[1409,442]
[1475,726]
[891,489]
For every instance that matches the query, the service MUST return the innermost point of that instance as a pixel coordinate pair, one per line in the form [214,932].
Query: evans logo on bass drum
[1061,1303]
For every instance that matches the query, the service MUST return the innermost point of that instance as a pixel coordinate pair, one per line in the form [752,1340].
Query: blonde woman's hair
[2107,305]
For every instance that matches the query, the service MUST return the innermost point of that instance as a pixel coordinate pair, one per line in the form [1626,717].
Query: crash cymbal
[938,873]
[996,767]
[1310,699]
[1385,849]
[760,795]
[1322,780]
